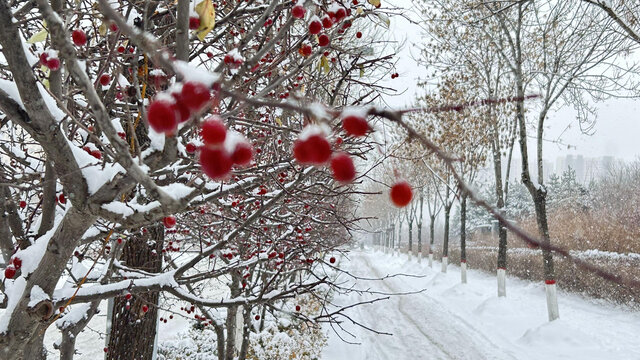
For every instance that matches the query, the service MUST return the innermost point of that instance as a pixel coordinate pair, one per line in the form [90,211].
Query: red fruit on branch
[44,57]
[195,95]
[343,169]
[315,26]
[243,154]
[194,23]
[298,11]
[62,199]
[326,22]
[9,272]
[359,34]
[305,50]
[191,148]
[312,150]
[213,131]
[145,308]
[355,125]
[323,40]
[17,262]
[332,260]
[298,308]
[96,154]
[401,194]
[215,163]
[23,204]
[169,221]
[79,37]
[53,64]
[105,79]
[161,116]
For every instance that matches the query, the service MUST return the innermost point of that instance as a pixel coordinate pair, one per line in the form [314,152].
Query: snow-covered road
[453,321]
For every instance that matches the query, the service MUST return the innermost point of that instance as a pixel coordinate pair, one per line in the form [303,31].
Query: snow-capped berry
[315,26]
[298,11]
[53,63]
[401,194]
[313,150]
[195,95]
[17,262]
[105,79]
[213,131]
[182,112]
[341,13]
[355,125]
[161,116]
[9,272]
[305,50]
[191,148]
[323,40]
[242,154]
[326,22]
[169,221]
[23,204]
[79,37]
[194,23]
[215,163]
[342,168]
[128,296]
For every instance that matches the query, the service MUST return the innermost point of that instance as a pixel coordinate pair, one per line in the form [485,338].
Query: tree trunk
[463,239]
[133,331]
[432,229]
[445,241]
[410,238]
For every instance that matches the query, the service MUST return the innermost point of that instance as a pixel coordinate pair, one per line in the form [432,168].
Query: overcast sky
[616,131]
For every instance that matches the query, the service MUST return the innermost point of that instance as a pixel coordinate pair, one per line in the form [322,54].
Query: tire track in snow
[445,324]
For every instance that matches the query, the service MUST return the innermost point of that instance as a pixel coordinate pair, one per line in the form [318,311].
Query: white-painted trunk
[419,257]
[552,300]
[463,272]
[430,260]
[409,255]
[239,328]
[502,282]
[445,262]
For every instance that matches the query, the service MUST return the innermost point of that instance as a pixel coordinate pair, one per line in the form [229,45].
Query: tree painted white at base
[419,257]
[463,272]
[502,287]
[552,300]
[430,260]
[445,262]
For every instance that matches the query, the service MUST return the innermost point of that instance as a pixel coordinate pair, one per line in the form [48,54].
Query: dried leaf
[40,36]
[207,14]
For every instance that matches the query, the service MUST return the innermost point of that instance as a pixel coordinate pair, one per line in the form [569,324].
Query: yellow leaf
[278,121]
[324,64]
[375,3]
[361,71]
[102,30]
[207,15]
[45,82]
[359,10]
[40,36]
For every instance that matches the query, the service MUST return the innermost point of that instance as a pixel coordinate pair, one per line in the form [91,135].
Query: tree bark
[133,331]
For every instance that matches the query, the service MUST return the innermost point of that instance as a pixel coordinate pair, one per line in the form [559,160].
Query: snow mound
[557,333]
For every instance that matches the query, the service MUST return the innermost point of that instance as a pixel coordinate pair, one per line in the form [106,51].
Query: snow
[13,290]
[191,73]
[449,320]
[37,295]
[94,173]
[73,316]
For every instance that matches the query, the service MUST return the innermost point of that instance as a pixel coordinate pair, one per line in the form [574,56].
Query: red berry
[128,296]
[355,125]
[169,221]
[242,154]
[326,22]
[257,317]
[105,79]
[314,150]
[121,49]
[194,23]
[162,116]
[359,34]
[401,194]
[297,307]
[17,262]
[332,260]
[53,64]
[113,27]
[343,169]
[145,308]
[79,37]
[305,50]
[341,13]
[183,113]
[23,204]
[213,131]
[195,95]
[323,40]
[105,349]
[298,11]
[9,272]
[44,57]
[216,163]
[96,154]
[191,148]
[315,26]
[62,199]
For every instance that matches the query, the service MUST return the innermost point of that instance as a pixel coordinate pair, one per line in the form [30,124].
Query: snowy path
[454,321]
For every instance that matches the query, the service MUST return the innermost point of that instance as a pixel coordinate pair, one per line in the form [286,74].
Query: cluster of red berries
[14,265]
[233,59]
[194,22]
[394,75]
[50,59]
[222,149]
[166,112]
[95,152]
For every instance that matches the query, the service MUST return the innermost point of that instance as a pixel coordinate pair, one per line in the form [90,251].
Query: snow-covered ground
[449,320]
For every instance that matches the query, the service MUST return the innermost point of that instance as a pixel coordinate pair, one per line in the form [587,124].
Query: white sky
[616,131]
